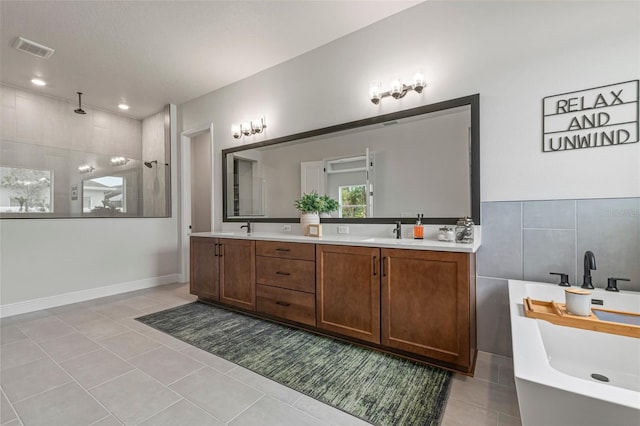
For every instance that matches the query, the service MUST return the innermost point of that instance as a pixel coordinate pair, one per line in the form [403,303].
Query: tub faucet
[398,230]
[589,264]
[248,226]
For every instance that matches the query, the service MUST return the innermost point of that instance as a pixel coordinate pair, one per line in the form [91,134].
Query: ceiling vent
[33,48]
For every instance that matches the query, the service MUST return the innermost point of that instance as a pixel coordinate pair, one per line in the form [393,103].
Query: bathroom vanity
[412,298]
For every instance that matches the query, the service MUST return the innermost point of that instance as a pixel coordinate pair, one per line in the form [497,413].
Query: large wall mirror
[61,165]
[424,160]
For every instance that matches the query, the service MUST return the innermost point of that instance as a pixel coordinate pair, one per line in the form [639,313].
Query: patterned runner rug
[376,387]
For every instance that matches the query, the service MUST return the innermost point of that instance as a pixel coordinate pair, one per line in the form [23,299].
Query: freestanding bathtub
[553,364]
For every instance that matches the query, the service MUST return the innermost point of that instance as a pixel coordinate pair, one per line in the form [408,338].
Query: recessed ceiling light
[123,106]
[38,82]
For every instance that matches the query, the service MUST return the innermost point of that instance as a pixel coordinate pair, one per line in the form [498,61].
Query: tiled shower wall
[525,240]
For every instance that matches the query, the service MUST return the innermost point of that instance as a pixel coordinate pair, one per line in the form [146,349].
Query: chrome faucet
[248,226]
[589,265]
[398,230]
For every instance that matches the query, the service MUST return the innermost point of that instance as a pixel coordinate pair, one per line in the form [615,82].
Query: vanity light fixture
[38,82]
[248,128]
[397,88]
[119,161]
[86,168]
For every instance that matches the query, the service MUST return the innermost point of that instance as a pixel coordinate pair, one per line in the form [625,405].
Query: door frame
[185,192]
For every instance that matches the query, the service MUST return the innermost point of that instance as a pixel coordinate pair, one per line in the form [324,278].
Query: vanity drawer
[286,273]
[287,304]
[300,251]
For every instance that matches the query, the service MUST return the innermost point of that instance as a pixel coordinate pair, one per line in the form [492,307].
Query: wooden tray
[556,313]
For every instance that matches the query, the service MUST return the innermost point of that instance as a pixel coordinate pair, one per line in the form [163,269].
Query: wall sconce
[86,168]
[248,129]
[397,90]
[119,161]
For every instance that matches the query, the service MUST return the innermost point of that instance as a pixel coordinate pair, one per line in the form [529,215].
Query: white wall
[512,53]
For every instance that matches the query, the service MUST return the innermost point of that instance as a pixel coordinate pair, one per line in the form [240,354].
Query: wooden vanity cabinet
[205,269]
[224,270]
[237,273]
[428,304]
[286,281]
[416,303]
[348,291]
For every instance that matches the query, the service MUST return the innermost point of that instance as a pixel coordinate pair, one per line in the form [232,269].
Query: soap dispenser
[418,228]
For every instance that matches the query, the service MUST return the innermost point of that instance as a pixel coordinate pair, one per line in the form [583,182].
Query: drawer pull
[282,303]
[384,270]
[374,266]
[283,249]
[282,273]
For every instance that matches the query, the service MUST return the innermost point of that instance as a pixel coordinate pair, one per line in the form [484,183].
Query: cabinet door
[426,304]
[348,291]
[238,273]
[204,281]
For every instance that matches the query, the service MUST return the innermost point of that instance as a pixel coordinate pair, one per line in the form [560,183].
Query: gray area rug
[378,388]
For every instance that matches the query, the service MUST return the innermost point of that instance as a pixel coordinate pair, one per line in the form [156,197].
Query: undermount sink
[383,240]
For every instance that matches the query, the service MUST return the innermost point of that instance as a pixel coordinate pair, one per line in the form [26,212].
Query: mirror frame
[473,101]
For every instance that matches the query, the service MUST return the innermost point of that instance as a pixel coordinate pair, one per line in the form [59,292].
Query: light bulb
[418,82]
[246,129]
[374,92]
[396,88]
[236,131]
[38,82]
[257,125]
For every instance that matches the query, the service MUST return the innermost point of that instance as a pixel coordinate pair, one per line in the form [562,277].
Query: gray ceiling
[151,53]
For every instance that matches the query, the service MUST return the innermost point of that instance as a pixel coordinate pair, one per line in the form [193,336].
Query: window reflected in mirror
[104,196]
[25,191]
[352,201]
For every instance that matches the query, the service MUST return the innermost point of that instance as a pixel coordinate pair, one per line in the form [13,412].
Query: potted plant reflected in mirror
[328,205]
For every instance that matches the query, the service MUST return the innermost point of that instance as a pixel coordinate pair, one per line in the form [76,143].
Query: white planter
[307,219]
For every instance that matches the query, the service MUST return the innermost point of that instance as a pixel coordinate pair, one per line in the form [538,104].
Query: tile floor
[91,363]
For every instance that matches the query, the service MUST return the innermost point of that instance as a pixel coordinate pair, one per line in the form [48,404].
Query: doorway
[197,174]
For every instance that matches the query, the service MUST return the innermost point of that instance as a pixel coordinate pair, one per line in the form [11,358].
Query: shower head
[79,110]
[149,164]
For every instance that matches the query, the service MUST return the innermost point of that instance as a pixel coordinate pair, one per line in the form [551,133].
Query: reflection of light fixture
[398,88]
[38,82]
[86,168]
[119,161]
[123,107]
[248,128]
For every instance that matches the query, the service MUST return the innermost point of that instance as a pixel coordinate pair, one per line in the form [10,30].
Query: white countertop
[349,240]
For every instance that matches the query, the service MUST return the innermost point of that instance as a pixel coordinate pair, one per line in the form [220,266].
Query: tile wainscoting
[526,240]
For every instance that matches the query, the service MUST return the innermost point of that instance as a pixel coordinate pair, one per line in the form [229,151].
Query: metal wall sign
[601,116]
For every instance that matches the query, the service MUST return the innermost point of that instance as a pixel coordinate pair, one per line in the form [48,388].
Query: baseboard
[83,295]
